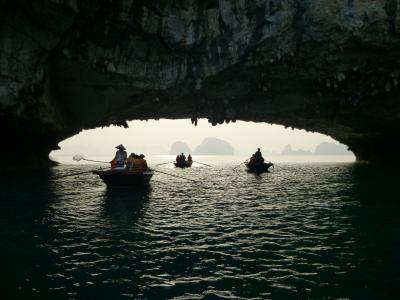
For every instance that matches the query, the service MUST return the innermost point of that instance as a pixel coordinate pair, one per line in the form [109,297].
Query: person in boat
[257,158]
[189,159]
[136,163]
[120,157]
[141,163]
[130,161]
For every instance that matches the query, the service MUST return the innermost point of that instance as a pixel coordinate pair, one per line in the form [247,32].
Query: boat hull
[124,178]
[259,168]
[187,164]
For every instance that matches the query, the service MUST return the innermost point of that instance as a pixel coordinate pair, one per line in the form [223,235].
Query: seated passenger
[140,164]
[130,161]
[113,163]
[136,163]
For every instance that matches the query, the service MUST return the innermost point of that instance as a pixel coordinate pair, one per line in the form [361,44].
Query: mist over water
[305,230]
[156,137]
[218,160]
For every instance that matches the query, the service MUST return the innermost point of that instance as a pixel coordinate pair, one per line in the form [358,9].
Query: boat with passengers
[257,164]
[126,171]
[182,162]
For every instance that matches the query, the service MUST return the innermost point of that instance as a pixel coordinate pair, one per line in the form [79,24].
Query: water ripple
[305,231]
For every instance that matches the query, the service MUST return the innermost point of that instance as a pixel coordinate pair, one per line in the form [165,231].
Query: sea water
[304,230]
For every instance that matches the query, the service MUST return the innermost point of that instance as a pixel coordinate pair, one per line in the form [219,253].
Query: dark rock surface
[327,66]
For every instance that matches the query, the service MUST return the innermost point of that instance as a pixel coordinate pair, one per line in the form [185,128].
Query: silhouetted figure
[181,158]
[120,157]
[189,158]
[257,158]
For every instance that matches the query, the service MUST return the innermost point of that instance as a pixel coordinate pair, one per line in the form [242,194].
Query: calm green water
[303,231]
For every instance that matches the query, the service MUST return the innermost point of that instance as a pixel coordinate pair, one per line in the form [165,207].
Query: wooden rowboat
[258,168]
[124,177]
[186,164]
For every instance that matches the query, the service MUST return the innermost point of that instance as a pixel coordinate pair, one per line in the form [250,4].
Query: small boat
[258,168]
[185,164]
[124,177]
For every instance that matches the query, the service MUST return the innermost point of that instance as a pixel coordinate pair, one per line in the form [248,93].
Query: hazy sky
[157,136]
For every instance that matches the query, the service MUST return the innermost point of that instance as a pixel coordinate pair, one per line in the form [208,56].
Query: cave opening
[162,139]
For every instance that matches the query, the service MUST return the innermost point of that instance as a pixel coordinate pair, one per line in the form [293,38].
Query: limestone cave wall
[330,66]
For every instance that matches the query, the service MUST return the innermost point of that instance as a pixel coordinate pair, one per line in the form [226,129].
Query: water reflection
[305,231]
[124,206]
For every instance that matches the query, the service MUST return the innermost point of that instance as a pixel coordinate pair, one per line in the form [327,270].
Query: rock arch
[323,66]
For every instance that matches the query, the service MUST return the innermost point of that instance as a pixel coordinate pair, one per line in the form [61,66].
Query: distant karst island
[179,147]
[325,148]
[214,146]
[288,150]
[331,149]
[209,146]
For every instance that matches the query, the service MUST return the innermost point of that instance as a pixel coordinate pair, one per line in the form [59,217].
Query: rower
[257,157]
[120,157]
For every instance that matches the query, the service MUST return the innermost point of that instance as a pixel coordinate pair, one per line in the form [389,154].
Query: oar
[240,164]
[77,173]
[171,162]
[280,166]
[175,175]
[202,164]
[80,157]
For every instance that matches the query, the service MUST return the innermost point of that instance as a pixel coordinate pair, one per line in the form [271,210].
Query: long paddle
[77,173]
[81,157]
[240,164]
[175,175]
[202,164]
[280,166]
[171,162]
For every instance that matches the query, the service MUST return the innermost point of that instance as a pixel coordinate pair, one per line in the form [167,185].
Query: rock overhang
[329,67]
